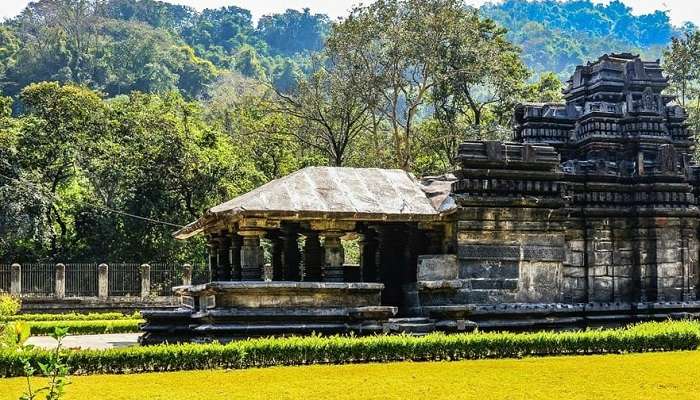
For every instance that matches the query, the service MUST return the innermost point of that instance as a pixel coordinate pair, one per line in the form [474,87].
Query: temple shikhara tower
[589,217]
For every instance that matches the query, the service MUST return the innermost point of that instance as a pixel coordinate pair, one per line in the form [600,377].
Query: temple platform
[225,311]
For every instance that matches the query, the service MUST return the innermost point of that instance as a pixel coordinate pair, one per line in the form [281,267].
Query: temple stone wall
[511,255]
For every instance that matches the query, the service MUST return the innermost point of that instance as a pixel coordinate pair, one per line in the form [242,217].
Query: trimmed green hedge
[667,336]
[69,317]
[86,327]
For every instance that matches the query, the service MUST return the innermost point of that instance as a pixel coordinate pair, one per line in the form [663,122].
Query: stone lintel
[250,223]
[332,226]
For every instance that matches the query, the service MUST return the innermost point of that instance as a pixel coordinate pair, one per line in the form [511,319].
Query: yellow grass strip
[634,376]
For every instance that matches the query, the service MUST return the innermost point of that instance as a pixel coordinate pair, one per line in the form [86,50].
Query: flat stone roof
[356,194]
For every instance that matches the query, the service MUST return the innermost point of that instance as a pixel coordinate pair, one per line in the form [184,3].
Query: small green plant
[9,305]
[53,368]
[14,334]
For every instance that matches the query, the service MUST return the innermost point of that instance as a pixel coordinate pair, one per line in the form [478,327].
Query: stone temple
[589,217]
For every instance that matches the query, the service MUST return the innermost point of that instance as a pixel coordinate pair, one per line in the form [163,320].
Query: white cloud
[680,10]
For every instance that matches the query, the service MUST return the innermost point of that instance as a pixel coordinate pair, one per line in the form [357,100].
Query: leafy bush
[667,336]
[70,317]
[87,327]
[14,334]
[54,369]
[9,305]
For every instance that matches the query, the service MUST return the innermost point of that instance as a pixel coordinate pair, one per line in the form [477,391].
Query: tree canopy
[121,120]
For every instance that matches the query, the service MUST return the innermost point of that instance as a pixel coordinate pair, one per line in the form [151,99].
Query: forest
[122,120]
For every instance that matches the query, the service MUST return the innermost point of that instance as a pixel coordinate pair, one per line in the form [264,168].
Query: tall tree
[417,55]
[332,107]
[682,64]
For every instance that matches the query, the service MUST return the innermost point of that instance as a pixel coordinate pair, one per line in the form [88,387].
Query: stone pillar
[186,275]
[278,273]
[313,257]
[60,290]
[223,259]
[16,279]
[368,256]
[235,257]
[291,256]
[213,256]
[145,280]
[334,257]
[251,256]
[102,281]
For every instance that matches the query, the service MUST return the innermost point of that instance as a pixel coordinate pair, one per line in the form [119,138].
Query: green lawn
[635,376]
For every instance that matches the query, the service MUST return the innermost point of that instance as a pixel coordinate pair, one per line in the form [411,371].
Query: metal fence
[5,277]
[124,279]
[38,279]
[164,277]
[81,280]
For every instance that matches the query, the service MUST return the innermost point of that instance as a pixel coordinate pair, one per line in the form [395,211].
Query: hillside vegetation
[123,120]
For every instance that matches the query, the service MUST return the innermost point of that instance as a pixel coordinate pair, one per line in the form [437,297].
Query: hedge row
[338,350]
[69,317]
[86,327]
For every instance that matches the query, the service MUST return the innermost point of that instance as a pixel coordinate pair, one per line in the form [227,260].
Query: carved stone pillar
[313,257]
[291,256]
[235,256]
[368,256]
[277,259]
[213,244]
[334,257]
[251,256]
[223,266]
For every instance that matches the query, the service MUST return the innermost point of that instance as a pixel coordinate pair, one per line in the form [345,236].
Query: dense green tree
[332,108]
[558,35]
[293,32]
[418,55]
[682,64]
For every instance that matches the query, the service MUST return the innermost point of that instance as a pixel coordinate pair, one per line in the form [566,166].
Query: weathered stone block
[488,252]
[573,272]
[601,258]
[489,269]
[498,284]
[542,253]
[437,267]
[574,258]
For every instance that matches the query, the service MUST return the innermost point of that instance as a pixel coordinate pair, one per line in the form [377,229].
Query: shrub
[341,349]
[87,327]
[14,334]
[9,305]
[70,317]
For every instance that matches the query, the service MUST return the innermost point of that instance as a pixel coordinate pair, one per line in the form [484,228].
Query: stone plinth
[226,311]
[286,294]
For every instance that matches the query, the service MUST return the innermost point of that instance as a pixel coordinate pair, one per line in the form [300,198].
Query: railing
[164,277]
[98,280]
[39,279]
[81,280]
[5,277]
[124,279]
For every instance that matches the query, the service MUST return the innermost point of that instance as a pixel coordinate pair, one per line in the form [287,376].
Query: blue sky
[680,10]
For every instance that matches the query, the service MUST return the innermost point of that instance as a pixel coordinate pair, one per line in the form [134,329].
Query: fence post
[60,281]
[16,279]
[145,280]
[187,275]
[103,281]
